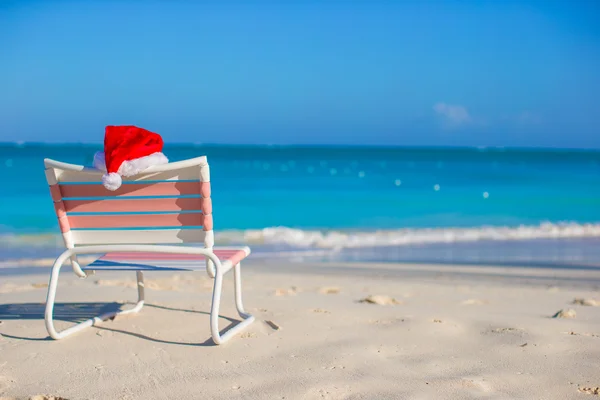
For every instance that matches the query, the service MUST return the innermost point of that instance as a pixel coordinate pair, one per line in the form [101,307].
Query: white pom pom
[112,181]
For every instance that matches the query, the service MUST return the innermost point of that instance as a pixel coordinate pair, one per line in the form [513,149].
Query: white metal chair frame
[214,268]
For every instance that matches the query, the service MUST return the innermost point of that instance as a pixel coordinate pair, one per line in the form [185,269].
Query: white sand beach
[441,332]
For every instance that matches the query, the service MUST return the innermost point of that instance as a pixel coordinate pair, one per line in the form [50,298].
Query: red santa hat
[128,150]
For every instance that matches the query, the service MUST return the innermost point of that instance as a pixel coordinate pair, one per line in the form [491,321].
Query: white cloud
[454,115]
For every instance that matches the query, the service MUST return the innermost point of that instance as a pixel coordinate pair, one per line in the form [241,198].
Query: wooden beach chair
[145,225]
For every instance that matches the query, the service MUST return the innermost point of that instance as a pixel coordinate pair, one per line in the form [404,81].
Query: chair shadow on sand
[78,312]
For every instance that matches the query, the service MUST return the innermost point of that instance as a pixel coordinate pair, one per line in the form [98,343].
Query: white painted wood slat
[180,170]
[141,236]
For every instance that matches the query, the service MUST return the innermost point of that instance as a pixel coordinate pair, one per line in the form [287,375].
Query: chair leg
[48,315]
[141,295]
[247,319]
[237,281]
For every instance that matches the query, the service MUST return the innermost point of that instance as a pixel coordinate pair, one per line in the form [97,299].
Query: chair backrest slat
[135,221]
[139,205]
[173,188]
[145,236]
[84,174]
[165,204]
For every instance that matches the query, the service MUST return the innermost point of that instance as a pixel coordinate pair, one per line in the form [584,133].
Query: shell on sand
[39,285]
[286,292]
[583,334]
[474,302]
[329,290]
[569,313]
[587,302]
[590,390]
[44,397]
[381,300]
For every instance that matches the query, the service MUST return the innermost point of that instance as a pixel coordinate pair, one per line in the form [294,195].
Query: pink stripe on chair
[135,220]
[135,205]
[55,193]
[59,207]
[64,225]
[234,258]
[208,222]
[232,255]
[139,189]
[205,189]
[206,205]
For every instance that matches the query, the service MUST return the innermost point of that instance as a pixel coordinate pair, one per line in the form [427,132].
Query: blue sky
[497,73]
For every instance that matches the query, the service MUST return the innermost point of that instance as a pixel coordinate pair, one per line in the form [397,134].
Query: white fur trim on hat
[128,168]
[137,165]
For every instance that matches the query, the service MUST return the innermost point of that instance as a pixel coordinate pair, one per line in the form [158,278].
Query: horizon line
[375,146]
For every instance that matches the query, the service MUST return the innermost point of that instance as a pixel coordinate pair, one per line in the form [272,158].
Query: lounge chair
[142,226]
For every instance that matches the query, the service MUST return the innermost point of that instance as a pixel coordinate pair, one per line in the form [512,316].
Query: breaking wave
[339,239]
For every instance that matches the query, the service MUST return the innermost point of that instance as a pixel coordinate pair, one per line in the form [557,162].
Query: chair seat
[142,261]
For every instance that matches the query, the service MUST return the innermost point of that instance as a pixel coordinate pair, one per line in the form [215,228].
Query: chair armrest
[116,248]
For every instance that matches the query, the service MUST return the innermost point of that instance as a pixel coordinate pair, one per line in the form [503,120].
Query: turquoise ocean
[450,205]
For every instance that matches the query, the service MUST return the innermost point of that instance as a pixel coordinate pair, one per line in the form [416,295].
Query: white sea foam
[281,237]
[337,239]
[8,240]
